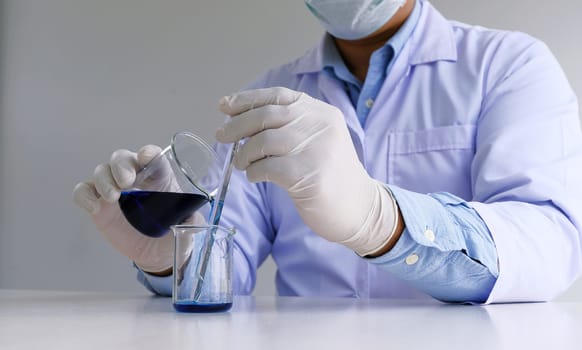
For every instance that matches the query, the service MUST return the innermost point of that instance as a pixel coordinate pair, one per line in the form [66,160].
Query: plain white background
[81,78]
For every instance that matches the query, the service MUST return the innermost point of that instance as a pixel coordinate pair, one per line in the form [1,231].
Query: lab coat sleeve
[160,285]
[526,173]
[245,210]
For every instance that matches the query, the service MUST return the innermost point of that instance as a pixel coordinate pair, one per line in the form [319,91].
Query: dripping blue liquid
[152,213]
[218,214]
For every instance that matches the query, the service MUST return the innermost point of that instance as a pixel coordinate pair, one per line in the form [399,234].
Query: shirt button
[411,259]
[429,234]
[369,103]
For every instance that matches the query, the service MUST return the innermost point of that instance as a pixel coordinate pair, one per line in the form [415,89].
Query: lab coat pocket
[433,160]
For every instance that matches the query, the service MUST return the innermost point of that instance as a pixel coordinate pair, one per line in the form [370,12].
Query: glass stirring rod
[215,213]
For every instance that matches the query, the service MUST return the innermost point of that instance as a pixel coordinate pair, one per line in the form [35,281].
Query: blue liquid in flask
[152,213]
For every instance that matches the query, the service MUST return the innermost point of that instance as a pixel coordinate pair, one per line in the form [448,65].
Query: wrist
[156,271]
[392,239]
[381,228]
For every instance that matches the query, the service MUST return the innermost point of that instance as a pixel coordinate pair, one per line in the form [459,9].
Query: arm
[445,248]
[528,157]
[532,201]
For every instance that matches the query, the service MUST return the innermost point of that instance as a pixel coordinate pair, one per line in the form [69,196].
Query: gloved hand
[303,145]
[99,198]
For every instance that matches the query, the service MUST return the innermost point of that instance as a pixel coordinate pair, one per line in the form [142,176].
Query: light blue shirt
[364,95]
[476,133]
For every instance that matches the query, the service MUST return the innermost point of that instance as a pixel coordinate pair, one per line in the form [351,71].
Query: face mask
[353,19]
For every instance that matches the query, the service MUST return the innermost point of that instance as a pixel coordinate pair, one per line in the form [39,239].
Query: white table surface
[70,320]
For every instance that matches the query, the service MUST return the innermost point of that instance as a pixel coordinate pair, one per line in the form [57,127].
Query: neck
[356,53]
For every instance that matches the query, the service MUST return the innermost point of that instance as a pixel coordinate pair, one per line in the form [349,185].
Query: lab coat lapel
[334,93]
[382,111]
[329,88]
[432,40]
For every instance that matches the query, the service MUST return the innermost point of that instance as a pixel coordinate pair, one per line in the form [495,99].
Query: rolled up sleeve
[445,250]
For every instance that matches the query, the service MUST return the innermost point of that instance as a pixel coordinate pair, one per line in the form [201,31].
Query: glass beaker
[172,186]
[215,293]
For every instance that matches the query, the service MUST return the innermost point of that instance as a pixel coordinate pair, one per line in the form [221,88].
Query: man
[405,156]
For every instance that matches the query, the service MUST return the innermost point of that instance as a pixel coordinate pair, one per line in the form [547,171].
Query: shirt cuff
[160,285]
[445,249]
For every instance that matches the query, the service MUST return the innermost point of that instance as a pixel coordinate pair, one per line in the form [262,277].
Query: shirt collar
[428,33]
[399,39]
[332,61]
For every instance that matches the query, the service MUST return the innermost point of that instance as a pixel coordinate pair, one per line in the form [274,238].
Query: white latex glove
[303,145]
[99,198]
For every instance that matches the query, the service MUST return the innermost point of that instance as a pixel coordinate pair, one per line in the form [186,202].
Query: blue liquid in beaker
[191,306]
[152,213]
